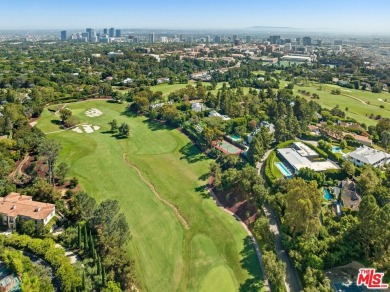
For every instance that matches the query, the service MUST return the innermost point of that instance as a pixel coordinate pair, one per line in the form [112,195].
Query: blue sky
[337,15]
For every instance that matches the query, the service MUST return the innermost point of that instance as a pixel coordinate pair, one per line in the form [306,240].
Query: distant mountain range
[271,27]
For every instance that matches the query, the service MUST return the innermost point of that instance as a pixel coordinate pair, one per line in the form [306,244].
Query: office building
[248,39]
[164,39]
[338,42]
[298,40]
[63,35]
[274,39]
[217,39]
[235,37]
[90,33]
[151,38]
[208,39]
[118,33]
[306,41]
[319,43]
[189,39]
[111,32]
[105,31]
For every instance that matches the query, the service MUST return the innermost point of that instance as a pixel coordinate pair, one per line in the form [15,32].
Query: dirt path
[254,241]
[175,209]
[19,167]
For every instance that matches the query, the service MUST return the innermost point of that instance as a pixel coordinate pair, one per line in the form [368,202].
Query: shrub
[55,256]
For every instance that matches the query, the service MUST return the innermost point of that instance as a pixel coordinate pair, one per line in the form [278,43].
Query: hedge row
[55,256]
[269,175]
[285,144]
[334,174]
[318,150]
[307,136]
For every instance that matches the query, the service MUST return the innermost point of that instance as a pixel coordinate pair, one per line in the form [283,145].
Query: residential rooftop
[15,204]
[368,155]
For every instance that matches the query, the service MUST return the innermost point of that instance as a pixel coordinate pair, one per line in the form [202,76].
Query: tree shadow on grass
[204,176]
[128,113]
[107,132]
[56,122]
[191,153]
[154,125]
[250,263]
[114,134]
[201,189]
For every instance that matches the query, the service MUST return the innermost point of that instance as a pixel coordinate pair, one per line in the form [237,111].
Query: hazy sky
[372,16]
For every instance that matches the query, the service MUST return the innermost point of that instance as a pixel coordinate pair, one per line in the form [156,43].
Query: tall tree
[275,270]
[349,168]
[303,206]
[113,125]
[85,238]
[256,149]
[78,235]
[124,130]
[49,149]
[65,114]
[368,180]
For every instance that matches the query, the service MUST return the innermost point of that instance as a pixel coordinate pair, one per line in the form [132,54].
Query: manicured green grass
[351,99]
[276,172]
[166,88]
[213,254]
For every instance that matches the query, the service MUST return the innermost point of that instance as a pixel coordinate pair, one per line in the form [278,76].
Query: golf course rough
[211,253]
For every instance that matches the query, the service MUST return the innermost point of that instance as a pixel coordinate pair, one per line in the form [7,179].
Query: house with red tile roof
[15,206]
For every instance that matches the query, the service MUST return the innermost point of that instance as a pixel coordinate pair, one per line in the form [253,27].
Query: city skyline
[347,16]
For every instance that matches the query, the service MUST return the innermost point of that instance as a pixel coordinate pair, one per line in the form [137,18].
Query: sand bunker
[88,129]
[77,130]
[85,129]
[93,112]
[380,99]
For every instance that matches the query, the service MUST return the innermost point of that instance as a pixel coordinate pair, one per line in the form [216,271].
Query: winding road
[292,281]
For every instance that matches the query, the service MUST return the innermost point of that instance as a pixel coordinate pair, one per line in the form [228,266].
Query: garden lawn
[213,254]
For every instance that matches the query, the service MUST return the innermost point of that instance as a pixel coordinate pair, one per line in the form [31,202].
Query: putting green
[212,254]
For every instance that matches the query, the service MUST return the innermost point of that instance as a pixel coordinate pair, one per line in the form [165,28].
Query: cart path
[175,209]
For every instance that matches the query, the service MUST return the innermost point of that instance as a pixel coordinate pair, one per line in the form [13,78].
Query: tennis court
[227,147]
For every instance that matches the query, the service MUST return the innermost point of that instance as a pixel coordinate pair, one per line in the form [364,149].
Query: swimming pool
[336,149]
[235,138]
[283,169]
[327,195]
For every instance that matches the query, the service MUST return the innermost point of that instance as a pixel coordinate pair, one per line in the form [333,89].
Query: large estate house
[15,206]
[367,155]
[299,155]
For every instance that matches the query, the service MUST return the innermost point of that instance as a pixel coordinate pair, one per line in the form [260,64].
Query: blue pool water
[235,137]
[336,149]
[283,169]
[327,195]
